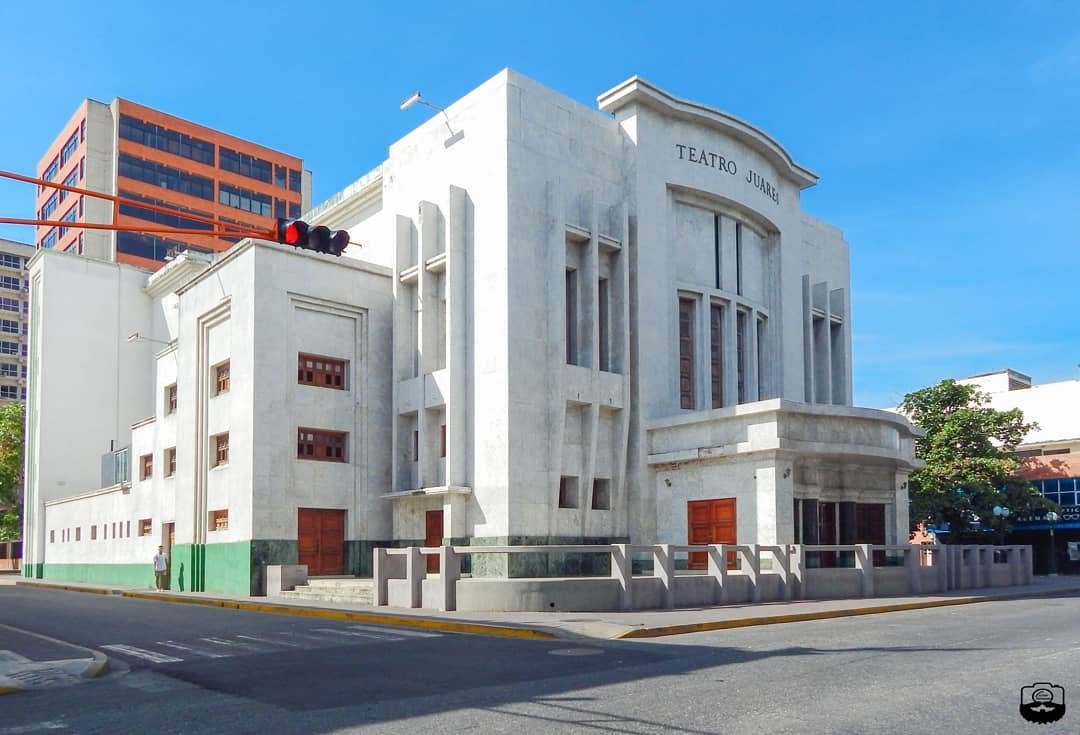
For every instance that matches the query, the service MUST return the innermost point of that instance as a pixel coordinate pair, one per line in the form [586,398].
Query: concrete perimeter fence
[733,574]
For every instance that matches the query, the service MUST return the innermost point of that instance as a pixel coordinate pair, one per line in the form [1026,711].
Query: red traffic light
[319,238]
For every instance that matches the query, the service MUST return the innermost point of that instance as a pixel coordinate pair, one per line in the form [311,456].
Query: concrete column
[664,568]
[457,321]
[449,574]
[415,570]
[941,561]
[381,573]
[796,576]
[730,356]
[622,570]
[429,424]
[911,564]
[864,562]
[752,555]
[718,571]
[1029,565]
[751,357]
[1016,571]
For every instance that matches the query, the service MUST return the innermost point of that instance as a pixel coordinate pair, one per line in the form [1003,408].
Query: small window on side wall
[219,520]
[145,526]
[221,449]
[221,378]
[568,492]
[601,494]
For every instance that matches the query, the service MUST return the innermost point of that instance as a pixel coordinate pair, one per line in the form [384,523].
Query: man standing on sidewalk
[161,566]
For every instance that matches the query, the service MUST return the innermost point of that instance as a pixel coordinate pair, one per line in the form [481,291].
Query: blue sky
[946,135]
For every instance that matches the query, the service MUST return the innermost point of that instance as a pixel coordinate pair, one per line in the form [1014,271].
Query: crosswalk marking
[360,634]
[153,656]
[240,644]
[398,631]
[197,650]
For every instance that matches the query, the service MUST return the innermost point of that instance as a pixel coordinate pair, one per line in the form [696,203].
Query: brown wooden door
[321,539]
[433,536]
[870,527]
[711,522]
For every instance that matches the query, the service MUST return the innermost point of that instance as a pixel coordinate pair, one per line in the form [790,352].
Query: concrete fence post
[380,564]
[911,564]
[752,554]
[986,565]
[415,570]
[783,560]
[1029,566]
[664,569]
[796,576]
[449,574]
[719,572]
[940,555]
[622,570]
[1016,570]
[864,562]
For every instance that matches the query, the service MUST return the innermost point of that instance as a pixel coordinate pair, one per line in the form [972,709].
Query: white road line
[10,657]
[197,650]
[324,640]
[268,641]
[398,631]
[360,634]
[33,727]
[154,656]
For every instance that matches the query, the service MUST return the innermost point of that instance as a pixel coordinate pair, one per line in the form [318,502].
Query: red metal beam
[220,228]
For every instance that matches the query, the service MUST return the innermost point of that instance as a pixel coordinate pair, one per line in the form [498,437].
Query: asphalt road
[187,668]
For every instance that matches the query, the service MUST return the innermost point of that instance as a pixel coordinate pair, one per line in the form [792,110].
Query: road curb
[97,666]
[666,630]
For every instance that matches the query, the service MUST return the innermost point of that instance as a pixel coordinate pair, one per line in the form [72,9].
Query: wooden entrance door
[321,536]
[433,536]
[870,527]
[711,522]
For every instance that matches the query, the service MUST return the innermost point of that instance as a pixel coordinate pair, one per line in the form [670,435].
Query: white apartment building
[555,325]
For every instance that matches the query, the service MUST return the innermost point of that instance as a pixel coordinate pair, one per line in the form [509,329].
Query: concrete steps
[350,590]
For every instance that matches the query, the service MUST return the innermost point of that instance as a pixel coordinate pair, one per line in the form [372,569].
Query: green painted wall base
[126,575]
[33,571]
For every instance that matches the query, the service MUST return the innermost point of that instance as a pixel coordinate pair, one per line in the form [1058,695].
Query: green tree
[969,467]
[12,439]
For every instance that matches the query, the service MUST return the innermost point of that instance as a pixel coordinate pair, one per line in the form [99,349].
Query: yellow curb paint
[9,690]
[357,617]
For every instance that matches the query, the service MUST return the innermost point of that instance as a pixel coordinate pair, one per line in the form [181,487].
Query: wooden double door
[321,537]
[711,522]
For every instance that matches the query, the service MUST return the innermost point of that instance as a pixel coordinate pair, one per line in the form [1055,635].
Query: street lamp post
[1002,514]
[1052,518]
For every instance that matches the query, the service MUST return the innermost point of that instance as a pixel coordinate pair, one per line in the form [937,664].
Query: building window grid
[321,445]
[245,164]
[71,180]
[686,353]
[219,520]
[167,177]
[9,370]
[51,170]
[169,141]
[11,283]
[145,526]
[170,461]
[69,148]
[9,392]
[9,326]
[245,200]
[170,399]
[50,205]
[323,372]
[146,463]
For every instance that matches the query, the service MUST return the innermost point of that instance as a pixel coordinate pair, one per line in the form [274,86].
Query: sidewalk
[595,625]
[33,661]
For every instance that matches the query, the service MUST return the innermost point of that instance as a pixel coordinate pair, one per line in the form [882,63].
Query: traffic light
[320,238]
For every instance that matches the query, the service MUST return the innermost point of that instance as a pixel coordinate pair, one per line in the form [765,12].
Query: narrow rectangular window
[716,248]
[170,461]
[571,317]
[93,532]
[568,492]
[761,359]
[442,440]
[78,533]
[147,461]
[740,353]
[170,399]
[738,258]
[686,353]
[221,378]
[716,353]
[601,494]
[221,449]
[416,446]
[145,526]
[602,327]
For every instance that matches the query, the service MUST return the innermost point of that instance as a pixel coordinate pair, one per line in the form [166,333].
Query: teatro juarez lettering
[702,157]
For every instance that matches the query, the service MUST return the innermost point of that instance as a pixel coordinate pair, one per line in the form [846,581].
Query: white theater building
[554,325]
